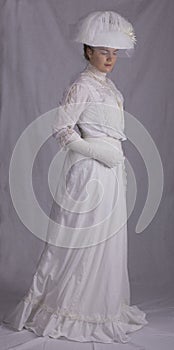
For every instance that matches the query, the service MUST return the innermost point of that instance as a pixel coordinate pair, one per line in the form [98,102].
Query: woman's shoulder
[76,90]
[84,79]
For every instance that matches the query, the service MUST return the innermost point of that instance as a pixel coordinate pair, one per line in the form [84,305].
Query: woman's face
[103,58]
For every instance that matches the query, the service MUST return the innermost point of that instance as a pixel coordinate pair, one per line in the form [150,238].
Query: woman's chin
[108,67]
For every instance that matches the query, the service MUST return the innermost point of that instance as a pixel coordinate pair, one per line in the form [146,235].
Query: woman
[81,287]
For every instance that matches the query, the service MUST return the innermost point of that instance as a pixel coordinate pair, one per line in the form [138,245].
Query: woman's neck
[95,71]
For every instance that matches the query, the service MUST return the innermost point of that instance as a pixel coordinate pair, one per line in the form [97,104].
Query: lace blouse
[94,104]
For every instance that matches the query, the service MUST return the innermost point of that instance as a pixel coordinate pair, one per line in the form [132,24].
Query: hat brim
[118,40]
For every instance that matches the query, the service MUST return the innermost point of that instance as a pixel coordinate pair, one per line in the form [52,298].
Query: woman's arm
[72,105]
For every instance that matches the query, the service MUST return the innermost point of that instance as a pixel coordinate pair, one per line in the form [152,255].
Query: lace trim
[63,135]
[124,176]
[74,316]
[108,86]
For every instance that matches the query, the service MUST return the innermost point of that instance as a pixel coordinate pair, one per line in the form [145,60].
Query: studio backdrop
[37,62]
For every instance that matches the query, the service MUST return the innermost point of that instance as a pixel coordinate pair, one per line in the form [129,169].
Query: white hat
[104,28]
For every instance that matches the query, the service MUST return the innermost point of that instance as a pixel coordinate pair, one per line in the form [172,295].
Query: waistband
[109,138]
[106,139]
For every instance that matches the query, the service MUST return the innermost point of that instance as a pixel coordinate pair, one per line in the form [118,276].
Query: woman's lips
[108,65]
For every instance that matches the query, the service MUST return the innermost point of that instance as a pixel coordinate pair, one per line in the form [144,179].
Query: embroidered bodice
[94,104]
[95,72]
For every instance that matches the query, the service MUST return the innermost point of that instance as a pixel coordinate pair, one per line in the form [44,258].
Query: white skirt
[81,286]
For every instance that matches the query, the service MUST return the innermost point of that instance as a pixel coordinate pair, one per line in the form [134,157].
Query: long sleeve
[72,105]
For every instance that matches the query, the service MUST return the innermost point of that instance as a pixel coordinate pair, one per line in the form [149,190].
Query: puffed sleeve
[68,112]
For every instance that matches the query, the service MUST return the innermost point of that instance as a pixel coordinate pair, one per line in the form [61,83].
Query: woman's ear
[89,52]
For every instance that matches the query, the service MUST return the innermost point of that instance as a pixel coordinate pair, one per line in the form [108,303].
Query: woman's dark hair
[85,46]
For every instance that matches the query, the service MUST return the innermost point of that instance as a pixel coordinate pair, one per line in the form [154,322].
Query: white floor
[157,335]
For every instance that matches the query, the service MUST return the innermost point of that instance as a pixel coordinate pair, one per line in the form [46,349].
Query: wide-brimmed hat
[104,28]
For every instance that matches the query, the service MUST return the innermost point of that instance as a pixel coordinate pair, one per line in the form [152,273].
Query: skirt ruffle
[44,321]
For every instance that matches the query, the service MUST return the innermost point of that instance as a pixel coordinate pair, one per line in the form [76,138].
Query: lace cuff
[63,136]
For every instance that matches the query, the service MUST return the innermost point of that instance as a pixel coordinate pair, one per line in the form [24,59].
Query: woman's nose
[109,58]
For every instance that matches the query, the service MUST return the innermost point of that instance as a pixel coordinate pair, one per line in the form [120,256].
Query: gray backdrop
[36,63]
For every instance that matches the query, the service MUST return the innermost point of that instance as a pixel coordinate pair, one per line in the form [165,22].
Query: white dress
[83,293]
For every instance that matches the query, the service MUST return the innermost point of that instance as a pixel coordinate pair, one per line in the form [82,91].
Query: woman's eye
[105,53]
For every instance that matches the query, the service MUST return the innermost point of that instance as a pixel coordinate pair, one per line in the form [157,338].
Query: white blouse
[94,104]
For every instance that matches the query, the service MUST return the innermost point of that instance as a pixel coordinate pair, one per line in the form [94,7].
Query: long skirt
[81,286]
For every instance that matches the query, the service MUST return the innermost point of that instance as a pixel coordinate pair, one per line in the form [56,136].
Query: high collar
[97,73]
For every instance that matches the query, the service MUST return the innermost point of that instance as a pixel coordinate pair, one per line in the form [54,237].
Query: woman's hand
[107,150]
[104,149]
